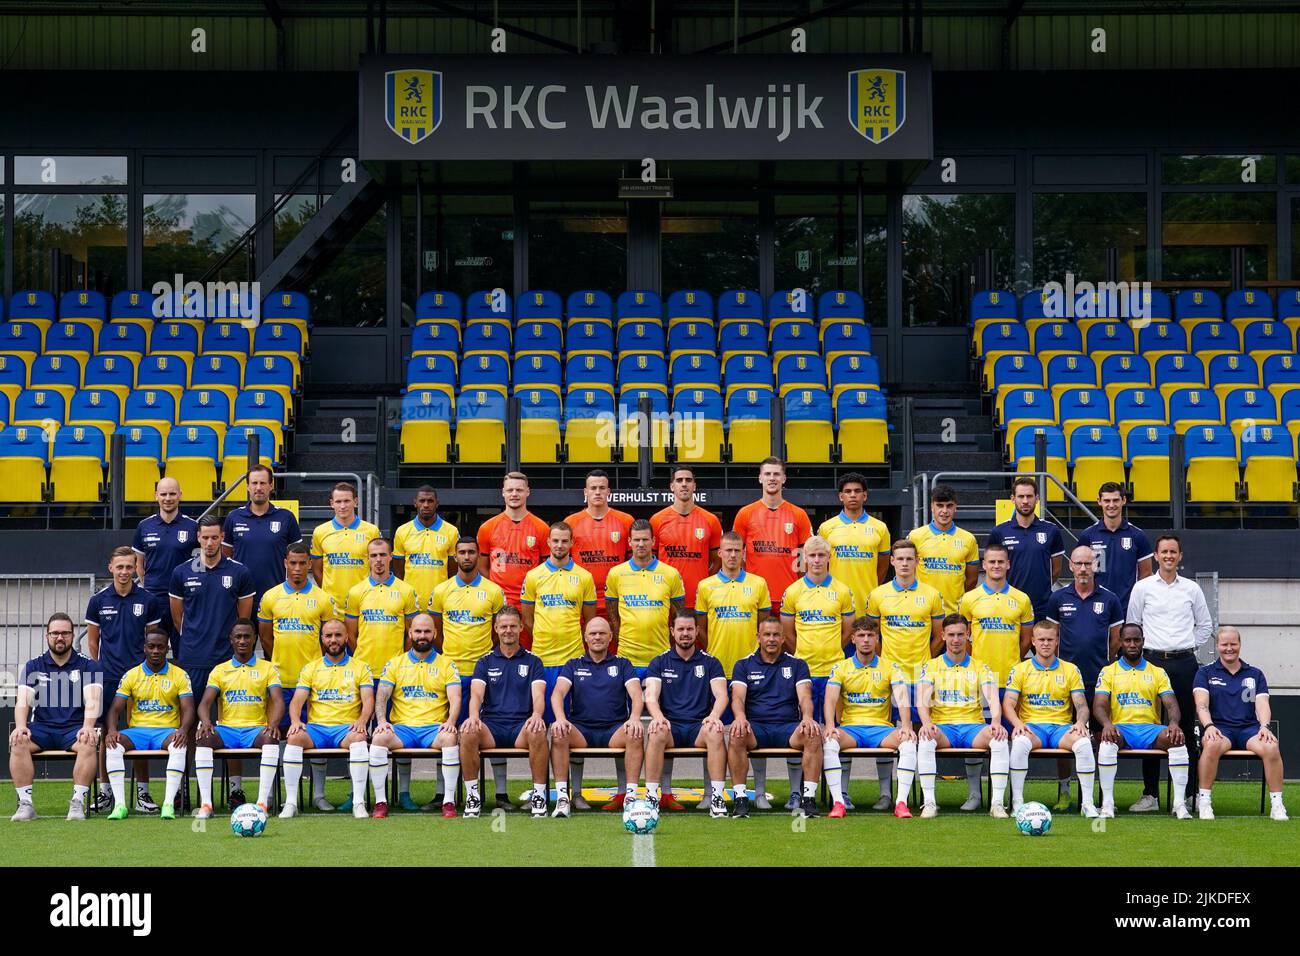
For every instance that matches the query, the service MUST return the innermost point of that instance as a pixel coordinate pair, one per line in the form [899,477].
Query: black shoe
[741,808]
[505,806]
[103,801]
[237,799]
[808,807]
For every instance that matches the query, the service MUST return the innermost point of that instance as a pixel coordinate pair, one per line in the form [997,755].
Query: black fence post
[1177,482]
[645,451]
[778,427]
[512,434]
[117,479]
[254,450]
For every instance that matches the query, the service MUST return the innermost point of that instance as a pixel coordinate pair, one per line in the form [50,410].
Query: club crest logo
[1126,544]
[1041,536]
[1098,607]
[699,670]
[877,103]
[137,610]
[531,541]
[789,527]
[227,581]
[413,103]
[612,670]
[275,527]
[699,534]
[787,672]
[615,535]
[182,537]
[523,670]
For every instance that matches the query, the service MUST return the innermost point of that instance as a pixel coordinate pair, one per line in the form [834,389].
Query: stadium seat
[1244,306]
[192,455]
[742,337]
[639,305]
[1076,407]
[853,372]
[1249,406]
[1211,338]
[1056,339]
[800,372]
[1017,369]
[1159,339]
[590,338]
[862,417]
[174,338]
[1288,309]
[143,456]
[224,337]
[541,307]
[72,338]
[59,372]
[98,407]
[589,425]
[1001,338]
[794,338]
[127,339]
[749,424]
[273,372]
[1131,407]
[432,371]
[24,453]
[1146,452]
[234,451]
[589,305]
[989,306]
[696,371]
[739,305]
[13,375]
[539,425]
[169,373]
[539,338]
[439,308]
[1268,464]
[1096,457]
[480,425]
[134,307]
[809,429]
[1124,371]
[538,370]
[589,370]
[1070,371]
[698,435]
[483,370]
[1192,307]
[205,406]
[840,305]
[1033,307]
[222,372]
[1178,371]
[689,305]
[84,305]
[845,338]
[150,406]
[1232,370]
[1024,456]
[643,370]
[263,406]
[1281,374]
[1262,340]
[1210,452]
[39,407]
[640,337]
[425,437]
[77,463]
[1191,407]
[292,307]
[486,337]
[284,338]
[689,337]
[436,338]
[631,424]
[1153,306]
[1109,338]
[32,305]
[483,304]
[746,371]
[790,306]
[23,338]
[116,372]
[1025,406]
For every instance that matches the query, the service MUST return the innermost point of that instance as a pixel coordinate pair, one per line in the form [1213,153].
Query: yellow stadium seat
[425,441]
[699,440]
[629,437]
[141,478]
[589,440]
[1149,478]
[76,479]
[22,480]
[1091,473]
[864,440]
[1212,479]
[1269,479]
[539,440]
[197,473]
[1055,467]
[480,440]
[233,467]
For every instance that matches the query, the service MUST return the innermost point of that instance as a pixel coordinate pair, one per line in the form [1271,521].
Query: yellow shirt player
[465,609]
[1134,692]
[909,612]
[243,690]
[158,703]
[730,609]
[944,558]
[999,620]
[857,548]
[418,693]
[338,554]
[638,595]
[291,618]
[424,550]
[557,601]
[958,689]
[816,616]
[377,612]
[334,690]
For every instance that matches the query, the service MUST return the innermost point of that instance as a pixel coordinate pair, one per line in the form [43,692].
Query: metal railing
[26,603]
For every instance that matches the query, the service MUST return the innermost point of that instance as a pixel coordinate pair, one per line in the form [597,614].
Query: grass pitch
[1239,837]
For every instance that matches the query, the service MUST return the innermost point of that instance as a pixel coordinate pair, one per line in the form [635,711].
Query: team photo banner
[626,107]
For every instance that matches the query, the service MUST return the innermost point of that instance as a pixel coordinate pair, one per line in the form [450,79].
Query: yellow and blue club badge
[413,103]
[877,103]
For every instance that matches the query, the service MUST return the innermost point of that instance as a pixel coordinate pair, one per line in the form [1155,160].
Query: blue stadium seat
[1124,371]
[853,371]
[1190,407]
[436,338]
[62,373]
[135,307]
[1109,338]
[485,371]
[749,424]
[174,338]
[1178,371]
[639,305]
[736,304]
[24,453]
[288,307]
[590,371]
[793,337]
[1017,370]
[486,337]
[1281,374]
[839,338]
[1056,338]
[640,336]
[273,372]
[480,425]
[539,425]
[538,371]
[77,463]
[264,406]
[1210,452]
[1096,457]
[38,406]
[1000,338]
[1194,306]
[204,406]
[100,407]
[800,372]
[1081,406]
[697,371]
[1146,452]
[222,372]
[698,435]
[1068,371]
[13,375]
[1153,305]
[144,456]
[688,336]
[23,338]
[192,455]
[746,371]
[86,305]
[234,451]
[167,372]
[862,420]
[224,337]
[840,305]
[589,305]
[425,437]
[539,338]
[809,429]
[1264,338]
[742,336]
[1160,339]
[280,338]
[1249,405]
[592,337]
[643,369]
[1244,306]
[1232,370]
[1024,460]
[1268,464]
[32,305]
[1032,306]
[540,306]
[1210,338]
[71,337]
[989,306]
[439,308]
[690,305]
[150,406]
[1289,407]
[1131,407]
[1288,309]
[483,305]
[789,305]
[589,427]
[124,338]
[432,371]
[1023,406]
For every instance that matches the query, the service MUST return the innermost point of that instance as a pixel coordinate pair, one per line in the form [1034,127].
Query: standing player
[641,594]
[600,534]
[338,547]
[949,557]
[116,619]
[774,531]
[258,535]
[1126,707]
[730,606]
[378,609]
[859,543]
[338,691]
[162,542]
[1124,552]
[424,548]
[606,712]
[686,536]
[1034,546]
[424,690]
[505,709]
[1040,693]
[685,695]
[156,700]
[559,598]
[857,714]
[512,543]
[59,702]
[249,707]
[1232,705]
[952,694]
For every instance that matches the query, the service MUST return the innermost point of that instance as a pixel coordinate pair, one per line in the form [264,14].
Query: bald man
[162,542]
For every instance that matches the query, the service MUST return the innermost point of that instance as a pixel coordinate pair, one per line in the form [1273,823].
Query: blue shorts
[819,697]
[504,732]
[598,735]
[1237,736]
[961,735]
[149,738]
[1049,734]
[895,716]
[773,735]
[328,735]
[866,735]
[552,675]
[417,736]
[640,673]
[54,738]
[287,694]
[1002,693]
[1140,736]
[238,737]
[686,732]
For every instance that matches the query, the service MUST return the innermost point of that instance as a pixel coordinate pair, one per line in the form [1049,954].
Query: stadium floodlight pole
[117,478]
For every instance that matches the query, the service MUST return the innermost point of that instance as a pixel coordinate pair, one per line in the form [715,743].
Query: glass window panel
[1073,231]
[1225,169]
[577,246]
[1293,169]
[185,234]
[90,230]
[943,234]
[1200,231]
[816,246]
[292,216]
[468,245]
[70,170]
[1295,237]
[350,291]
[709,245]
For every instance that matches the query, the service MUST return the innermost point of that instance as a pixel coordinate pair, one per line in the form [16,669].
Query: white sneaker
[1181,812]
[929,811]
[204,812]
[1089,811]
[973,802]
[1107,811]
[561,807]
[998,811]
[1204,810]
[288,810]
[143,802]
[1278,813]
[473,805]
[76,809]
[886,802]
[360,812]
[1145,805]
[717,806]
[323,805]
[25,812]
[537,801]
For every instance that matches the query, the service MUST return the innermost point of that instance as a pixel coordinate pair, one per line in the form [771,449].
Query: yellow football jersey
[1134,691]
[818,611]
[466,612]
[335,690]
[242,691]
[956,689]
[731,606]
[856,547]
[906,617]
[419,688]
[381,610]
[995,619]
[942,560]
[342,553]
[295,618]
[642,596]
[153,699]
[866,691]
[1044,692]
[425,549]
[558,593]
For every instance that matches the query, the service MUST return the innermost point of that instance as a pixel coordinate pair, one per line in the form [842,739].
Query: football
[1033,819]
[248,820]
[639,816]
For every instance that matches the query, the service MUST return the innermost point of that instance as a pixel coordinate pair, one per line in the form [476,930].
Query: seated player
[605,712]
[247,692]
[1232,705]
[1126,706]
[339,693]
[59,701]
[863,687]
[424,689]
[156,699]
[1040,692]
[686,696]
[772,702]
[952,692]
[506,703]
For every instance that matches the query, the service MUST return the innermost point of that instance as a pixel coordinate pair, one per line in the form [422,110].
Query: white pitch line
[643,850]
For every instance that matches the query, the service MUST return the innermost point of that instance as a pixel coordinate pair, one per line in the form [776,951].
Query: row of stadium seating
[105,409]
[1171,370]
[1242,305]
[140,305]
[184,338]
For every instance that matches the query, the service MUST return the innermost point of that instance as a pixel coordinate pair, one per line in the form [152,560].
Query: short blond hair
[816,543]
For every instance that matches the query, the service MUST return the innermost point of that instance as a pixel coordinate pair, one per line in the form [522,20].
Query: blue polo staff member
[116,620]
[1034,546]
[1124,552]
[1232,706]
[163,542]
[258,534]
[59,700]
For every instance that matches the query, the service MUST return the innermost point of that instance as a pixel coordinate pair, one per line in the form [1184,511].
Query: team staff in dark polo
[1034,546]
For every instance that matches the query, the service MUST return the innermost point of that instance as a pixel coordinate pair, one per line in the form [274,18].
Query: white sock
[885,772]
[317,776]
[1178,760]
[471,788]
[1086,767]
[379,772]
[906,768]
[266,773]
[831,767]
[24,794]
[810,789]
[203,770]
[539,786]
[1274,798]
[403,775]
[1107,768]
[561,789]
[499,778]
[739,790]
[630,788]
[653,789]
[1020,750]
[358,767]
[794,770]
[719,787]
[999,766]
[116,766]
[175,771]
[293,773]
[926,768]
[975,778]
[78,792]
[1203,798]
[450,772]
